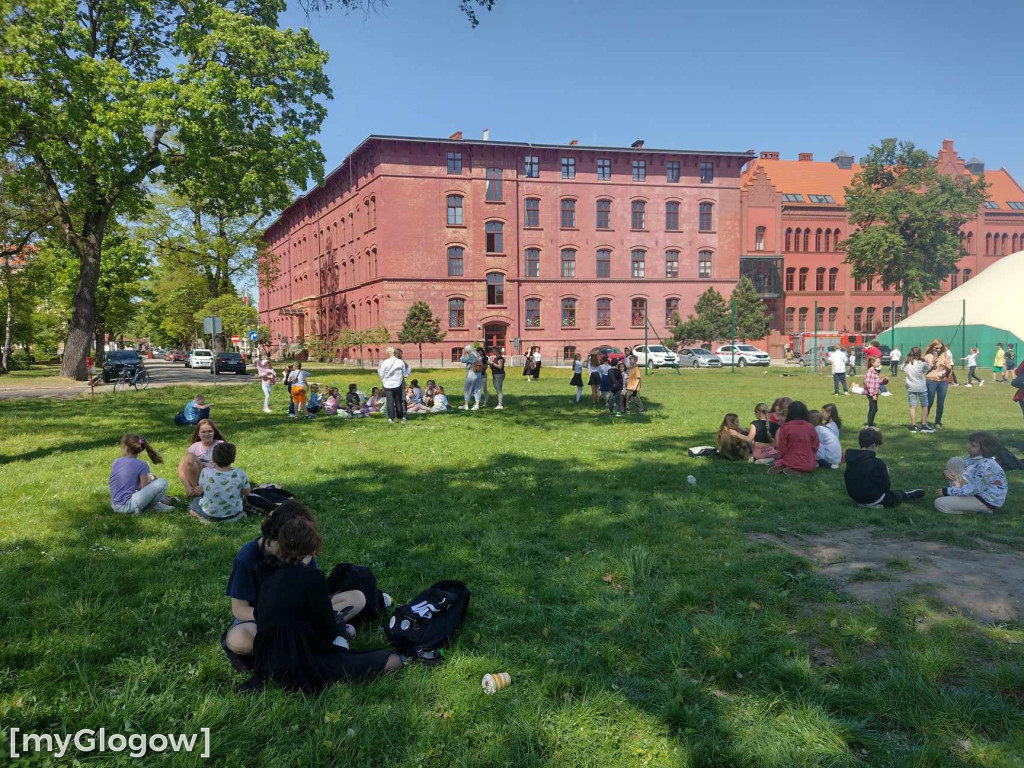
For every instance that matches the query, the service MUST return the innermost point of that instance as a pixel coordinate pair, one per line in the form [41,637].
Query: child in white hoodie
[830,452]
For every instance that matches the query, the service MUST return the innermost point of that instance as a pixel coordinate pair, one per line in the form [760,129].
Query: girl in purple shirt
[132,488]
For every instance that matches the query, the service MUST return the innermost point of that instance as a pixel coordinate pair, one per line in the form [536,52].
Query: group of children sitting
[430,399]
[796,441]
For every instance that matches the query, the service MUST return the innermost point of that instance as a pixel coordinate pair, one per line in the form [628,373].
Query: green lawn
[639,623]
[39,375]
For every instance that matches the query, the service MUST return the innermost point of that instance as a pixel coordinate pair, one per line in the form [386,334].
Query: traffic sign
[235,339]
[254,335]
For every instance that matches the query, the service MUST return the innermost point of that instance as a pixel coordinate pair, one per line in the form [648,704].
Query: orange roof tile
[1002,188]
[804,177]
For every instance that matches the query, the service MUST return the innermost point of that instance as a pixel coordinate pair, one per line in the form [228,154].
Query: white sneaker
[886,394]
[499,407]
[475,407]
[404,421]
[463,407]
[968,385]
[391,421]
[846,393]
[267,410]
[981,383]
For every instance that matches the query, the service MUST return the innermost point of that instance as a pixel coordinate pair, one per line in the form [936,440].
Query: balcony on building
[765,272]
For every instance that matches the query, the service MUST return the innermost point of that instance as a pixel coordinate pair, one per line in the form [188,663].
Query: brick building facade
[514,244]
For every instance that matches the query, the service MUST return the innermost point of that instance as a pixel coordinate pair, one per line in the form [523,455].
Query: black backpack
[264,499]
[430,619]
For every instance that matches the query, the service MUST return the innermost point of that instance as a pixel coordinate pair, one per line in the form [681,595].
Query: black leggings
[872,410]
[396,402]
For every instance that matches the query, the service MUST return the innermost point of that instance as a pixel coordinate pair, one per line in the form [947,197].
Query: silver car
[698,357]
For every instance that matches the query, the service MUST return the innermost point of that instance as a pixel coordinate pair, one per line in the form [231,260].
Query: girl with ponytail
[132,488]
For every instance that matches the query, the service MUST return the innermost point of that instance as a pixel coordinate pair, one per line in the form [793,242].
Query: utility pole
[732,303]
[815,353]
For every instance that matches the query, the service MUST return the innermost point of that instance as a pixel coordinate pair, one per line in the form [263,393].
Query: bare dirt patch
[986,585]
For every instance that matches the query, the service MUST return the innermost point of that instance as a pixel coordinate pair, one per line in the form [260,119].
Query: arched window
[638,211]
[858,319]
[1005,242]
[833,317]
[802,326]
[817,240]
[638,312]
[869,320]
[454,210]
[532,258]
[871,282]
[531,212]
[790,277]
[672,216]
[759,239]
[828,239]
[886,317]
[790,315]
[456,313]
[705,221]
[604,263]
[604,313]
[638,266]
[671,310]
[807,240]
[819,279]
[604,214]
[819,319]
[833,279]
[954,278]
[970,242]
[789,239]
[1014,247]
[533,313]
[495,288]
[455,254]
[704,264]
[988,244]
[495,237]
[671,263]
[803,278]
[967,275]
[568,214]
[568,313]
[568,262]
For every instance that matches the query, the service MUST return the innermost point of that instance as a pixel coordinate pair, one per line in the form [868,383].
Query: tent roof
[989,302]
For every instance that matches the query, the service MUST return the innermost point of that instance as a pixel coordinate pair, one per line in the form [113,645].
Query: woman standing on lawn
[474,369]
[198,456]
[392,371]
[937,378]
[267,379]
[498,375]
[133,489]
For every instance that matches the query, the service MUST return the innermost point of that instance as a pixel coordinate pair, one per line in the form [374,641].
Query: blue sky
[789,75]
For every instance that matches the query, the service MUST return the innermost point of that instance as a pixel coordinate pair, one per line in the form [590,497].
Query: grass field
[640,624]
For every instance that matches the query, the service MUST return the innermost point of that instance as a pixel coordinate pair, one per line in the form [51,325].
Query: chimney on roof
[457,136]
[843,160]
[975,166]
[947,144]
[769,155]
[487,134]
[573,142]
[637,144]
[806,157]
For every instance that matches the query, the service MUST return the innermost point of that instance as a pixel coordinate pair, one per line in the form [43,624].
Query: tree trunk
[420,345]
[101,344]
[5,363]
[83,310]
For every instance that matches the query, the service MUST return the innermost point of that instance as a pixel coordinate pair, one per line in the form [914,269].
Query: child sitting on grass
[428,393]
[760,437]
[440,401]
[731,445]
[977,483]
[353,403]
[331,403]
[867,476]
[830,452]
[314,405]
[297,645]
[779,408]
[830,418]
[797,442]
[224,489]
[133,489]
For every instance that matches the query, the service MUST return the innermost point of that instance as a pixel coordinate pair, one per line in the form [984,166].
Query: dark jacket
[867,477]
[615,377]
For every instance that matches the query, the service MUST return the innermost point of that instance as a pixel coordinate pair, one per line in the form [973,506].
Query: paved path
[161,374]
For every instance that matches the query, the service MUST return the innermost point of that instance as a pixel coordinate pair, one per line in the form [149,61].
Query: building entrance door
[494,335]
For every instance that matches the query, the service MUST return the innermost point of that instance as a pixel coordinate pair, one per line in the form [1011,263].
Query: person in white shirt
[839,361]
[440,401]
[952,371]
[894,360]
[392,371]
[972,367]
[830,452]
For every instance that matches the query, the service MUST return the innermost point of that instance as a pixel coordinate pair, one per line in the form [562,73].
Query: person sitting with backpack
[301,644]
[195,411]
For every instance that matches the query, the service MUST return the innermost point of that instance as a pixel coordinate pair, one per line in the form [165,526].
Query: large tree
[711,323]
[908,219]
[420,327]
[752,319]
[207,95]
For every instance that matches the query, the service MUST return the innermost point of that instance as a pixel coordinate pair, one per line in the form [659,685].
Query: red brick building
[515,244]
[794,215]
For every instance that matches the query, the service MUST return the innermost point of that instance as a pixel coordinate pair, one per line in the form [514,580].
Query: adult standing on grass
[917,389]
[537,360]
[839,361]
[199,456]
[498,375]
[298,391]
[267,379]
[474,370]
[937,378]
[392,371]
[998,363]
[484,365]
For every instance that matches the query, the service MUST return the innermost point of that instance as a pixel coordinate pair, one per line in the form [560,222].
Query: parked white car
[661,357]
[199,358]
[744,354]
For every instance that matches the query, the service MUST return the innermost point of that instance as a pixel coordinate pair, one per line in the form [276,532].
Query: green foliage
[210,98]
[907,219]
[468,7]
[752,319]
[713,320]
[237,317]
[641,622]
[420,327]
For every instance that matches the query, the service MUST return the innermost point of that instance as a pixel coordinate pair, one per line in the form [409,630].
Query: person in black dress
[301,642]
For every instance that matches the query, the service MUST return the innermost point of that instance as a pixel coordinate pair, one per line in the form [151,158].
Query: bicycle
[139,379]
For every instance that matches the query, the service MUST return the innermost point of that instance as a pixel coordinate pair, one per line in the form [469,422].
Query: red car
[175,356]
[614,354]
